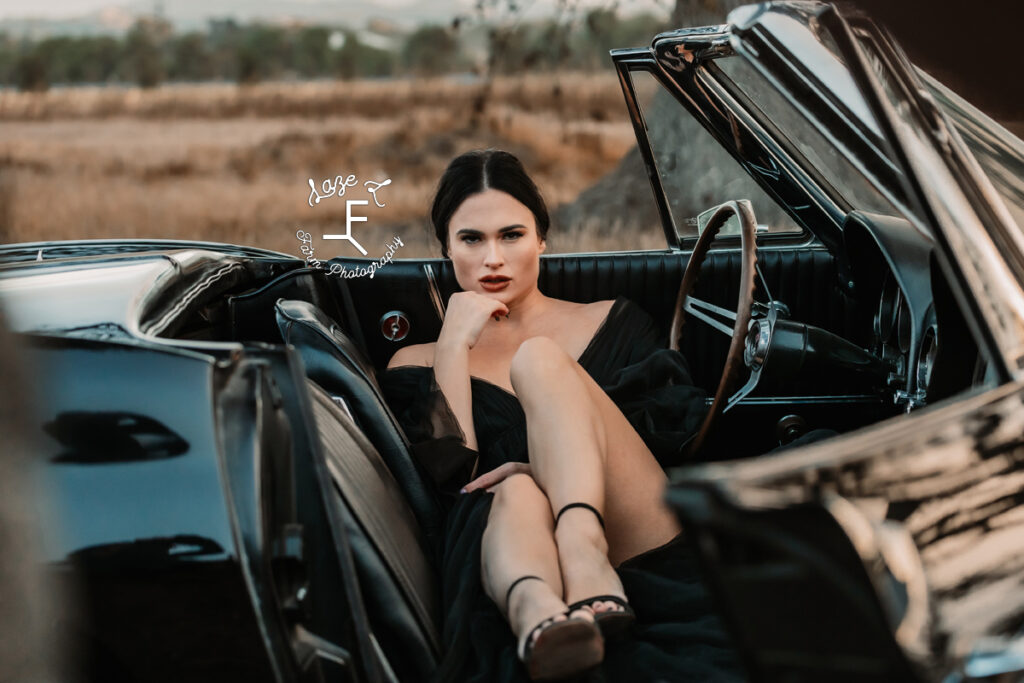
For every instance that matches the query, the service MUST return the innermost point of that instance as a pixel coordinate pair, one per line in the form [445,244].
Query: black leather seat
[386,506]
[341,369]
[397,583]
[804,277]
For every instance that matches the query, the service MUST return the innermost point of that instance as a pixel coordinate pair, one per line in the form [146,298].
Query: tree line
[151,52]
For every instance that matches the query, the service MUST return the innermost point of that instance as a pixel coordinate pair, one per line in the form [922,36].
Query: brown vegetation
[231,163]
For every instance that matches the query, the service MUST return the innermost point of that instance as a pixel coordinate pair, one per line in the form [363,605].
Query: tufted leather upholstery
[805,278]
[651,279]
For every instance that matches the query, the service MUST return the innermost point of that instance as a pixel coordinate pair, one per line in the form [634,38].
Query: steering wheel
[706,312]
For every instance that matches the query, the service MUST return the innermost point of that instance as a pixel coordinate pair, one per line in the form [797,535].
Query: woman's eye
[513,235]
[470,239]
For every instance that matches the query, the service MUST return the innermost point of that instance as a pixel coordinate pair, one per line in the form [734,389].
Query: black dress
[677,637]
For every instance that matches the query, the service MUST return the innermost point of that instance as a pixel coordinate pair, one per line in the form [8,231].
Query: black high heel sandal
[558,648]
[611,622]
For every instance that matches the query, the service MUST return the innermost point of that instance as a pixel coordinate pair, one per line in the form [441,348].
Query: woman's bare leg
[582,449]
[519,541]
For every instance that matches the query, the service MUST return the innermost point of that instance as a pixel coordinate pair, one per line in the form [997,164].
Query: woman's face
[494,246]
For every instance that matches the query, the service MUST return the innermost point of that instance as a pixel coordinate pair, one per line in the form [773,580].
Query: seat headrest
[302,322]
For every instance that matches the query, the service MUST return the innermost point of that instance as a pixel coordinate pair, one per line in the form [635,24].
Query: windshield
[998,152]
[849,184]
[696,172]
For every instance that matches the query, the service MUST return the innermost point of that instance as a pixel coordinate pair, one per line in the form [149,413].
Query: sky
[63,9]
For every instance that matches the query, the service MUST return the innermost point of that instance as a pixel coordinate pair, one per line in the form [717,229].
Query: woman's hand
[465,317]
[491,479]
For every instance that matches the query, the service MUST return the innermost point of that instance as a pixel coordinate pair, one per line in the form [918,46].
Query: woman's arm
[450,362]
[464,320]
[451,371]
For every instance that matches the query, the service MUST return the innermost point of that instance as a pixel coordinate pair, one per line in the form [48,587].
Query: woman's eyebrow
[474,231]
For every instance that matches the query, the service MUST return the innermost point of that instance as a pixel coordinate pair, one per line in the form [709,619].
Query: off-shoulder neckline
[619,300]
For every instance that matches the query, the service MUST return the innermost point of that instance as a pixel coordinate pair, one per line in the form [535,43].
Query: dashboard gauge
[926,359]
[904,325]
[885,319]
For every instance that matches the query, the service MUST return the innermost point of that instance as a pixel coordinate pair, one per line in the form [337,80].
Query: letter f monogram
[349,218]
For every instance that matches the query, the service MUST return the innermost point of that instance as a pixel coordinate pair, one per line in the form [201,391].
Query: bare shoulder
[593,313]
[598,310]
[593,309]
[414,354]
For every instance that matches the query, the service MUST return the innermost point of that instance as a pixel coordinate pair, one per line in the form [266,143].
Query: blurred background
[205,119]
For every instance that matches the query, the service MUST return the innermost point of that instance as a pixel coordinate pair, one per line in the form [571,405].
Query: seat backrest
[334,363]
[251,315]
[396,580]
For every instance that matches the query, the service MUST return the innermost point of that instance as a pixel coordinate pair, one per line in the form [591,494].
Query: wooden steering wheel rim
[748,244]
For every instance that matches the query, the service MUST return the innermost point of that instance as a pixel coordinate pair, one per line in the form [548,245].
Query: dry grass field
[228,163]
[231,163]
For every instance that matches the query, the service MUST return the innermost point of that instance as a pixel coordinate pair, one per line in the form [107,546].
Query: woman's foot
[561,644]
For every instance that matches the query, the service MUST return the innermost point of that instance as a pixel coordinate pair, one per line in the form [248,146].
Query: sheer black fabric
[678,637]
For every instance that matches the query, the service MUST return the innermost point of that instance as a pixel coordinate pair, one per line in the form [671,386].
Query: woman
[563,487]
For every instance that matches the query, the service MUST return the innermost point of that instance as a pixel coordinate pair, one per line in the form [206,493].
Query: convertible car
[232,498]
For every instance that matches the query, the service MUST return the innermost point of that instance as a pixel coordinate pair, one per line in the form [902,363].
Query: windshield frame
[705,99]
[964,115]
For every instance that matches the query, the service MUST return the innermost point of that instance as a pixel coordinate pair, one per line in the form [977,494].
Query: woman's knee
[538,358]
[519,490]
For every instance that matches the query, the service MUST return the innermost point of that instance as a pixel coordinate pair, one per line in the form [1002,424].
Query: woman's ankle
[583,554]
[579,528]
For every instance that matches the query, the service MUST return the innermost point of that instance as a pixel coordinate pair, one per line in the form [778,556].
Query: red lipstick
[495,283]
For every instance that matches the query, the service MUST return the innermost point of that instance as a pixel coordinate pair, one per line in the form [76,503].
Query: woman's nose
[494,255]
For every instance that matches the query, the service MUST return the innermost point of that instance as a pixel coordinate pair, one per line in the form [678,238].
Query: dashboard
[916,326]
[909,344]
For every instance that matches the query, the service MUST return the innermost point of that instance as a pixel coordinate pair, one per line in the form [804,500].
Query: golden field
[229,163]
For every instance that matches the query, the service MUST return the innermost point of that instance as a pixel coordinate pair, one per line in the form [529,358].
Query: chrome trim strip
[434,291]
[154,329]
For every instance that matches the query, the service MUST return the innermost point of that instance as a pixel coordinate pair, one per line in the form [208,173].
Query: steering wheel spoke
[764,283]
[744,391]
[702,310]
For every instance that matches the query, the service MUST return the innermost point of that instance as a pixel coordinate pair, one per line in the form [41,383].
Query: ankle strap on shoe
[508,593]
[587,506]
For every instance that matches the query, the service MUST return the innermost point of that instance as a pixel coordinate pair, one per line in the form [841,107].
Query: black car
[232,498]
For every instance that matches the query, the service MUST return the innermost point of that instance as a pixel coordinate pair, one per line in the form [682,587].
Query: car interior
[874,331]
[866,327]
[892,303]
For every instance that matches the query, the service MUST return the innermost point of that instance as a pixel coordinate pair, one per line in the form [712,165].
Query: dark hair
[482,169]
